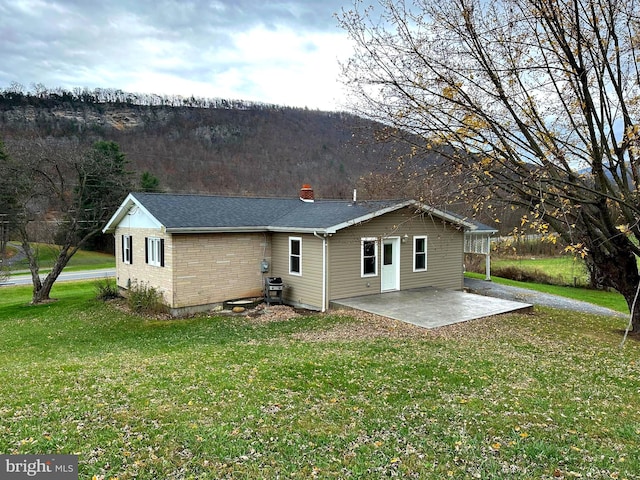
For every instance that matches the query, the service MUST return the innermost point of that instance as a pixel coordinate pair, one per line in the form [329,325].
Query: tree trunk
[620,271]
[42,289]
[629,289]
[43,292]
[34,267]
[635,321]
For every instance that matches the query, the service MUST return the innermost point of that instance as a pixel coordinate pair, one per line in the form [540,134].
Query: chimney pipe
[306,193]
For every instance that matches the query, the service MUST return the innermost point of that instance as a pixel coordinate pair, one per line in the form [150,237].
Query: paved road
[491,289]
[64,276]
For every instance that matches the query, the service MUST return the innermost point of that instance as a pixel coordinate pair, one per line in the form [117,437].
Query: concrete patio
[431,307]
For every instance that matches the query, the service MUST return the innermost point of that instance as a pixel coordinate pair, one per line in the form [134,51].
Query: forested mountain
[209,146]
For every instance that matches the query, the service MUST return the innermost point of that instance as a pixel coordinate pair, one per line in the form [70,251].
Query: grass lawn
[82,260]
[612,299]
[546,395]
[566,269]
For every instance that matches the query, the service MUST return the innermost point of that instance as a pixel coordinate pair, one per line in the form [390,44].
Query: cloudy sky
[282,51]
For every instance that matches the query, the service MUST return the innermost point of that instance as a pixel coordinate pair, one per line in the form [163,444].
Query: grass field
[608,299]
[547,395]
[82,260]
[564,269]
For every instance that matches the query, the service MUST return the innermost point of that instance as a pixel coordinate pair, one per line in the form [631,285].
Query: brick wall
[212,268]
[138,272]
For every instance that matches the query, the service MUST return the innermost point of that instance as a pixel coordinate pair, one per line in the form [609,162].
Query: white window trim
[417,237]
[154,253]
[375,254]
[298,239]
[126,249]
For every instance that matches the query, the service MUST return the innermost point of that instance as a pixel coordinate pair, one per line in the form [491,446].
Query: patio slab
[432,307]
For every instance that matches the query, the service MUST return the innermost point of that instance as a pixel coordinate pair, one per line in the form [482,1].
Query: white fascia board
[320,231]
[196,230]
[367,217]
[444,215]
[120,213]
[126,206]
[179,230]
[480,232]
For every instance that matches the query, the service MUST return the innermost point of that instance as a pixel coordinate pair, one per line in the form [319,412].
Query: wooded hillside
[209,146]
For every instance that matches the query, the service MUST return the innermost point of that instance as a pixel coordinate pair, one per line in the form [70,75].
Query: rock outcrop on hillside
[218,147]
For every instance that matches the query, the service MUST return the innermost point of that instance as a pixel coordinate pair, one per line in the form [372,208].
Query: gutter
[250,229]
[324,269]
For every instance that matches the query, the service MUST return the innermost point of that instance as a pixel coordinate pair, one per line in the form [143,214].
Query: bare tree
[7,207]
[69,188]
[536,100]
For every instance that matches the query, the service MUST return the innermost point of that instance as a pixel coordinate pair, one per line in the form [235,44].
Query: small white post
[487,260]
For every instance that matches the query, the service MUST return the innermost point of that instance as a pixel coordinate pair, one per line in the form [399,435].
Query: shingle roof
[478,227]
[184,213]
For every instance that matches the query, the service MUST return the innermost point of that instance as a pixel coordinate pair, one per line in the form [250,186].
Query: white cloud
[274,52]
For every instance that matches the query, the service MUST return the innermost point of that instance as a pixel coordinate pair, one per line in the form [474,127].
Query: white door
[390,276]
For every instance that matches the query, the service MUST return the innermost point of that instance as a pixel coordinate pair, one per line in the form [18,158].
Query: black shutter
[130,238]
[146,250]
[162,252]
[122,244]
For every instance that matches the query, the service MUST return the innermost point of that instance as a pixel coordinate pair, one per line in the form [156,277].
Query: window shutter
[162,252]
[130,238]
[122,244]
[146,250]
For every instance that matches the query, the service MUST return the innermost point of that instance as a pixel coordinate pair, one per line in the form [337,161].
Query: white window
[295,255]
[127,256]
[154,251]
[369,257]
[420,254]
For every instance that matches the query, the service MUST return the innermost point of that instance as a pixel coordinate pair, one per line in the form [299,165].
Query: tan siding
[305,289]
[444,254]
[212,268]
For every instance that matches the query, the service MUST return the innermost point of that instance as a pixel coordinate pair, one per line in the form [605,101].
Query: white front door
[390,276]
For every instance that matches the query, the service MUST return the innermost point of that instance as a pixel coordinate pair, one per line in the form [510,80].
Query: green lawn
[545,395]
[564,269]
[82,260]
[611,299]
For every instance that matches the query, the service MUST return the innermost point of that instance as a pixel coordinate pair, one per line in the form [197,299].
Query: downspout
[324,269]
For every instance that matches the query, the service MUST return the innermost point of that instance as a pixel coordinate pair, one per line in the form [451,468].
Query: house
[202,250]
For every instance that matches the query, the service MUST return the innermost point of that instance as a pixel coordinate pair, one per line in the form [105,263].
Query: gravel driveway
[491,289]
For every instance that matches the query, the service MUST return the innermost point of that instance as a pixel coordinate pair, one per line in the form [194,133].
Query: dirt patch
[264,313]
[361,327]
[120,304]
[365,326]
[635,336]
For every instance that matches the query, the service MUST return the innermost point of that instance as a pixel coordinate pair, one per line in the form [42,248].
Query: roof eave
[318,230]
[253,229]
[367,217]
[477,231]
[127,204]
[444,215]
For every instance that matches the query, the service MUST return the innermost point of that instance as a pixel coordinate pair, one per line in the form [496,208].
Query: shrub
[521,275]
[474,263]
[107,289]
[145,299]
[528,245]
